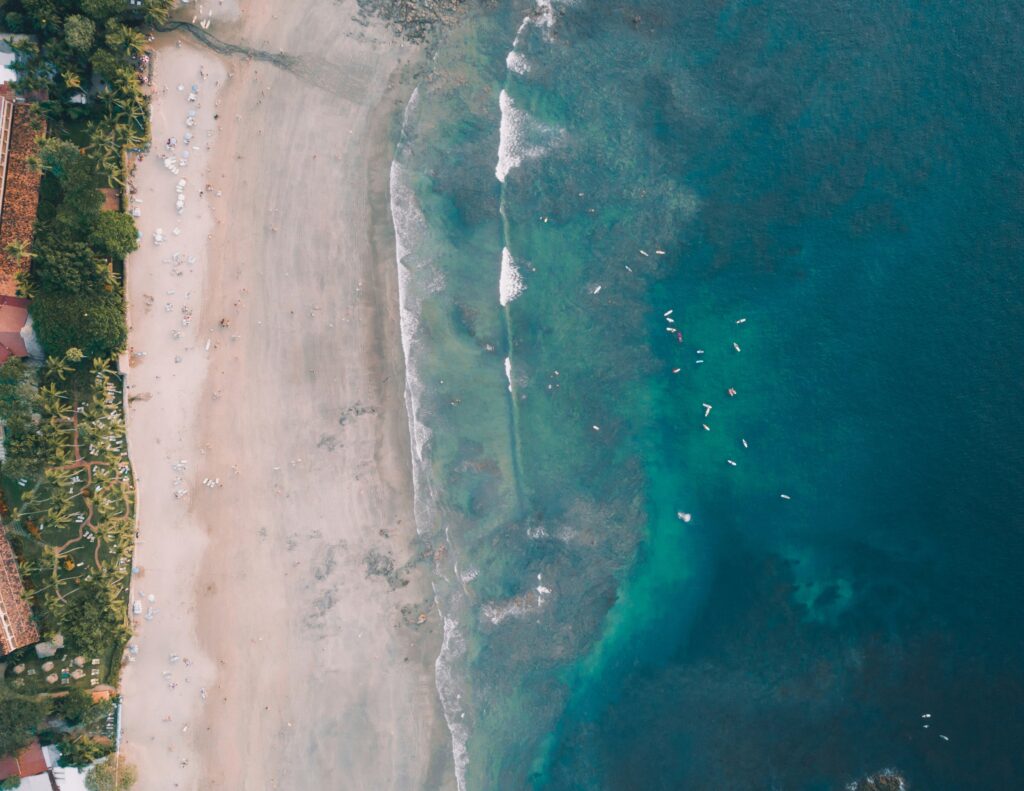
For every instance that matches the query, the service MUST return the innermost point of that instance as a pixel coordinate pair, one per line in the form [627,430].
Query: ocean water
[808,216]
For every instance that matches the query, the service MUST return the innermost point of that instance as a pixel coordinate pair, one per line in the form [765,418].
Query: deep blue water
[849,179]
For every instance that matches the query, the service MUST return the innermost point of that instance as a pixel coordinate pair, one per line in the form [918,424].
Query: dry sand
[316,672]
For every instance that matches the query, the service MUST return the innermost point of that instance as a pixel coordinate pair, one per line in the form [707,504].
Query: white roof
[68,778]
[7,74]
[35,783]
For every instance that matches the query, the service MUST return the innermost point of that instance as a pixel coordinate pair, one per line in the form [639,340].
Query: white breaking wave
[517,63]
[410,226]
[496,613]
[524,604]
[410,232]
[510,282]
[508,372]
[453,646]
[543,18]
[521,137]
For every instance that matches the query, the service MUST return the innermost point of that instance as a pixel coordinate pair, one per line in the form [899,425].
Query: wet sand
[295,586]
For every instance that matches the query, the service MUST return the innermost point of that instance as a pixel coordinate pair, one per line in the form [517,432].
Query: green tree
[83,750]
[157,11]
[114,235]
[94,620]
[79,32]
[44,14]
[114,774]
[19,250]
[10,783]
[63,264]
[57,156]
[14,21]
[32,68]
[81,202]
[19,722]
[71,80]
[102,10]
[57,368]
[74,706]
[121,38]
[24,445]
[94,323]
[107,64]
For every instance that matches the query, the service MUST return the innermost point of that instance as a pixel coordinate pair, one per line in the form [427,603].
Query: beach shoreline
[288,403]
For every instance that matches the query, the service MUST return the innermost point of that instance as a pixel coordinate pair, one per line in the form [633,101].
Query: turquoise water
[827,197]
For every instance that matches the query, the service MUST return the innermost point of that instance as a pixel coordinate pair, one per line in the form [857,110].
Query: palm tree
[157,11]
[24,284]
[57,367]
[71,80]
[19,250]
[127,39]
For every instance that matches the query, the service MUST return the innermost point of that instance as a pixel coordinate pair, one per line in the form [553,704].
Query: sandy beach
[288,631]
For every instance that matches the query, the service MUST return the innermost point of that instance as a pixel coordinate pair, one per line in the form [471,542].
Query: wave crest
[521,137]
[510,283]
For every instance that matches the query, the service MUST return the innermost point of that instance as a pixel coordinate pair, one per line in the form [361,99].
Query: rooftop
[13,316]
[7,55]
[16,627]
[27,763]
[20,189]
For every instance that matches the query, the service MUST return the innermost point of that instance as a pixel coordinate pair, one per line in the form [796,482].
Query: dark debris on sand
[416,20]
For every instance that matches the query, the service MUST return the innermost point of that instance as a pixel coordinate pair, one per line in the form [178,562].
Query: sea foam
[453,647]
[529,602]
[414,277]
[510,282]
[517,63]
[521,137]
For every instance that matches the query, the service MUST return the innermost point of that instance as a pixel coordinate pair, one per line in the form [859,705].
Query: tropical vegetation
[114,774]
[66,489]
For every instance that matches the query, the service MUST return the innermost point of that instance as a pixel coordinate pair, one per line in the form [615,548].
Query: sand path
[315,670]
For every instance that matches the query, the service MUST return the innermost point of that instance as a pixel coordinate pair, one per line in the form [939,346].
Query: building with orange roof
[28,763]
[20,128]
[13,318]
[16,627]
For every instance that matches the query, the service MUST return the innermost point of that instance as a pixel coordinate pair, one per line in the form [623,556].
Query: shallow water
[827,198]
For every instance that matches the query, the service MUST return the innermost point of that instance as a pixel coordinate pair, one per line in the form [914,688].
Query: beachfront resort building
[15,330]
[38,770]
[16,627]
[20,127]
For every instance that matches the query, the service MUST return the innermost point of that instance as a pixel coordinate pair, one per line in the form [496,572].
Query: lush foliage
[114,235]
[79,32]
[78,298]
[83,750]
[75,519]
[95,617]
[93,322]
[18,721]
[26,452]
[114,774]
[72,511]
[74,706]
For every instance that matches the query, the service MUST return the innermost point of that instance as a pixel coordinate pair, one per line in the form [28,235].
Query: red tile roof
[28,763]
[13,315]
[16,627]
[21,192]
